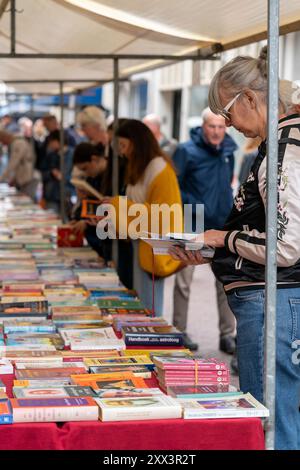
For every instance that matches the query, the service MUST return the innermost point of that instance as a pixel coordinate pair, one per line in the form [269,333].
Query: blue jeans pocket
[247,295]
[295,319]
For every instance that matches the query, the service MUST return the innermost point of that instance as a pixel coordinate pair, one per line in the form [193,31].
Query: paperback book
[241,406]
[140,408]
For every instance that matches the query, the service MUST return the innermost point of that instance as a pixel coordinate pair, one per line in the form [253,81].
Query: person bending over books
[92,163]
[97,168]
[239,93]
[150,179]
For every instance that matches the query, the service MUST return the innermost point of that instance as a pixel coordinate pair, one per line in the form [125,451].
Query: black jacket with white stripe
[242,261]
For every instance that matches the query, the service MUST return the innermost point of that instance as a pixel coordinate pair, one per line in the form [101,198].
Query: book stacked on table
[173,371]
[121,321]
[226,406]
[95,278]
[140,366]
[91,338]
[165,335]
[142,408]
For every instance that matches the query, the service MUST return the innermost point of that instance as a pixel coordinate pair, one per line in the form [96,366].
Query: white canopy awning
[124,27]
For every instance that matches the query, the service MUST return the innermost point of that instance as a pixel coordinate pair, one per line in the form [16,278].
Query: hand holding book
[210,238]
[188,257]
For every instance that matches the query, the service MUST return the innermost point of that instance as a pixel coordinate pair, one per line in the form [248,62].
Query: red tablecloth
[176,434]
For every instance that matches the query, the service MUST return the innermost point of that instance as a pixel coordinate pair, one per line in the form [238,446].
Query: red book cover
[66,237]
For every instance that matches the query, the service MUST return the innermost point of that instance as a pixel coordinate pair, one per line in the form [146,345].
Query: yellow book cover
[21,383]
[90,354]
[158,352]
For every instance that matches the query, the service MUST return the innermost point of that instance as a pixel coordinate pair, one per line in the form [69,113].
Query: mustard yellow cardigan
[163,189]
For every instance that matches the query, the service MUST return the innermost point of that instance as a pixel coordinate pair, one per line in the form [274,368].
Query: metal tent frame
[208,53]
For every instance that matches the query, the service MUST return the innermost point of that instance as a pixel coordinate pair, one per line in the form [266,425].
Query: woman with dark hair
[150,179]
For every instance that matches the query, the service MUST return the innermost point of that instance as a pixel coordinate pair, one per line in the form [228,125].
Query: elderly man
[167,145]
[205,171]
[93,124]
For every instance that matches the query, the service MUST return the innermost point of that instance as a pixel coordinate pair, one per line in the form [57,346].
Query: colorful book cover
[138,371]
[35,383]
[24,307]
[54,392]
[15,326]
[120,361]
[141,408]
[58,372]
[119,380]
[177,363]
[54,409]
[2,387]
[6,416]
[67,237]
[127,392]
[124,304]
[151,352]
[197,391]
[241,406]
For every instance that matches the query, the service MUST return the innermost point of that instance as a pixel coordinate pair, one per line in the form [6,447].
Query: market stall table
[175,434]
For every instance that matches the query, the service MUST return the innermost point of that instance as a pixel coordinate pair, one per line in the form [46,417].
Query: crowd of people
[152,169]
[156,170]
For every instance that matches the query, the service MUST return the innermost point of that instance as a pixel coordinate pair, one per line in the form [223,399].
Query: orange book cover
[119,380]
[89,209]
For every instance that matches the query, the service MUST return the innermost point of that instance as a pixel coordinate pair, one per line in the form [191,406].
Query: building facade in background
[178,92]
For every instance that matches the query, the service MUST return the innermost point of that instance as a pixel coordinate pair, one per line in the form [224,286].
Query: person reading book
[91,161]
[239,93]
[150,179]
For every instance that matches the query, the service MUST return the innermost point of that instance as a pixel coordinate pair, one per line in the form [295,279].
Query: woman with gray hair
[239,93]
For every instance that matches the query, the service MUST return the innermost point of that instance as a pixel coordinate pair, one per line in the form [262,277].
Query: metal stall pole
[12,27]
[31,109]
[115,167]
[271,220]
[62,158]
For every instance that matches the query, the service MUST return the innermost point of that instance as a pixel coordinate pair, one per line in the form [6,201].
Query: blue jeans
[248,308]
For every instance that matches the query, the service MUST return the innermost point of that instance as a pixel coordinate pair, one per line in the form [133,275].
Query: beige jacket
[19,170]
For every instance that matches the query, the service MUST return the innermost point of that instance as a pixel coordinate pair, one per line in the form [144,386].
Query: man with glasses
[205,171]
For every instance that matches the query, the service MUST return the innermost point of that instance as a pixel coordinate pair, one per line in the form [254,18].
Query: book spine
[145,340]
[166,412]
[214,414]
[55,414]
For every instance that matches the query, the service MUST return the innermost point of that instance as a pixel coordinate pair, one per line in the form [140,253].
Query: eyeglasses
[225,111]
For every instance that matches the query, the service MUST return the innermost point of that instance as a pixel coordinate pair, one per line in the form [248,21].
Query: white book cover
[242,406]
[32,347]
[6,366]
[162,243]
[83,185]
[91,338]
[141,408]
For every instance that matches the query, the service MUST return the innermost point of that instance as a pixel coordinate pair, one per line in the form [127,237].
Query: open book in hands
[84,186]
[162,243]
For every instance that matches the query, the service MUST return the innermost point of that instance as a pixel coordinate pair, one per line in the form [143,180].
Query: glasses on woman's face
[225,111]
